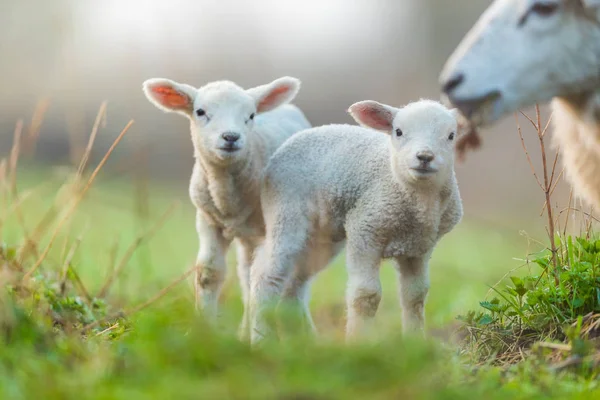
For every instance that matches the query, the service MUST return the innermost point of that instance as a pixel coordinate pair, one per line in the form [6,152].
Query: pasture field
[101,315]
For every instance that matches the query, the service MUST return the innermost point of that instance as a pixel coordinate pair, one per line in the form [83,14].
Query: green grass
[166,350]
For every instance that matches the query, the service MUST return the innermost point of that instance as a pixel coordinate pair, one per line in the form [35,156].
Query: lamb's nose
[231,137]
[453,83]
[425,156]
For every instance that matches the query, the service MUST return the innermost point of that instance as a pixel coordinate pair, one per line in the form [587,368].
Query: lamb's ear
[170,96]
[274,94]
[372,114]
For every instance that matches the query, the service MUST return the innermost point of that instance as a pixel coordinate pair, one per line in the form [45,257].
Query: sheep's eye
[541,8]
[451,137]
[251,116]
[398,132]
[544,9]
[200,112]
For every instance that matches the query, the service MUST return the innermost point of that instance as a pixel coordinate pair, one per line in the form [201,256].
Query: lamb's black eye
[200,112]
[251,116]
[544,9]
[398,132]
[451,137]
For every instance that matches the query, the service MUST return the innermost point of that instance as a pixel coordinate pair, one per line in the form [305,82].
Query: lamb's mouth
[229,149]
[480,110]
[424,170]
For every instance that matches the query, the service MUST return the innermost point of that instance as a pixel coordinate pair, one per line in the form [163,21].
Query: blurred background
[64,58]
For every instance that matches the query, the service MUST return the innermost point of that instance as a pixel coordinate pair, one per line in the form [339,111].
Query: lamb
[388,195]
[234,132]
[523,52]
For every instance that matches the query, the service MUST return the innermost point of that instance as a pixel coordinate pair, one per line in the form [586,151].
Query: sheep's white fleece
[577,135]
[225,185]
[339,183]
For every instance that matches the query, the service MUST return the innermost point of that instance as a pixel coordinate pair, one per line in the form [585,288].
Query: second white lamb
[387,194]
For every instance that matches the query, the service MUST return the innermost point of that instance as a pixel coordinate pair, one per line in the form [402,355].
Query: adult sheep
[234,132]
[523,52]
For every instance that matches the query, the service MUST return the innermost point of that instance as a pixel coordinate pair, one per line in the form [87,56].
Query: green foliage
[546,306]
[167,351]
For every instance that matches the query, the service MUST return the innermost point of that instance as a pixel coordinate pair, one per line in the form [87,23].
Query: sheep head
[523,52]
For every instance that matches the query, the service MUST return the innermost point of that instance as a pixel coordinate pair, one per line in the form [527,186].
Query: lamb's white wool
[523,52]
[234,132]
[385,195]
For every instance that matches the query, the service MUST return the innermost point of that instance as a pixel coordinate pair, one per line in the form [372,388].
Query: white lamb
[523,52]
[387,195]
[234,132]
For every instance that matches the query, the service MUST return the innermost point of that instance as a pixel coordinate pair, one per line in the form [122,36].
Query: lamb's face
[221,113]
[422,136]
[522,52]
[222,120]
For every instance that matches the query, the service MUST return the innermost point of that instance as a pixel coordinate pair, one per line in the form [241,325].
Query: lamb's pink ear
[372,114]
[274,94]
[170,96]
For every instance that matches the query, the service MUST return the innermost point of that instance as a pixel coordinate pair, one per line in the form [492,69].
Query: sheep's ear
[274,94]
[170,96]
[372,114]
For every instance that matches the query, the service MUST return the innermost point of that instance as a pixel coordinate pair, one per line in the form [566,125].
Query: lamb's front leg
[245,255]
[211,266]
[414,285]
[364,290]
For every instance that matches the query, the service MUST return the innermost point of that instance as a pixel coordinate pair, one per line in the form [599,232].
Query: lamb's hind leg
[245,255]
[272,269]
[414,285]
[298,289]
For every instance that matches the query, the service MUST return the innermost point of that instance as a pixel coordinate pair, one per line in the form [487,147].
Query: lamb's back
[338,160]
[275,127]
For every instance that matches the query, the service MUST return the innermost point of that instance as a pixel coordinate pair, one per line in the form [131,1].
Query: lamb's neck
[231,189]
[238,173]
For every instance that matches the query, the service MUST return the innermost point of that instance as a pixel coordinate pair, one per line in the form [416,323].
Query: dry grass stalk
[14,157]
[67,263]
[82,289]
[37,234]
[3,199]
[554,346]
[2,173]
[86,155]
[568,213]
[76,202]
[33,132]
[13,164]
[133,247]
[14,207]
[110,328]
[112,259]
[548,179]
